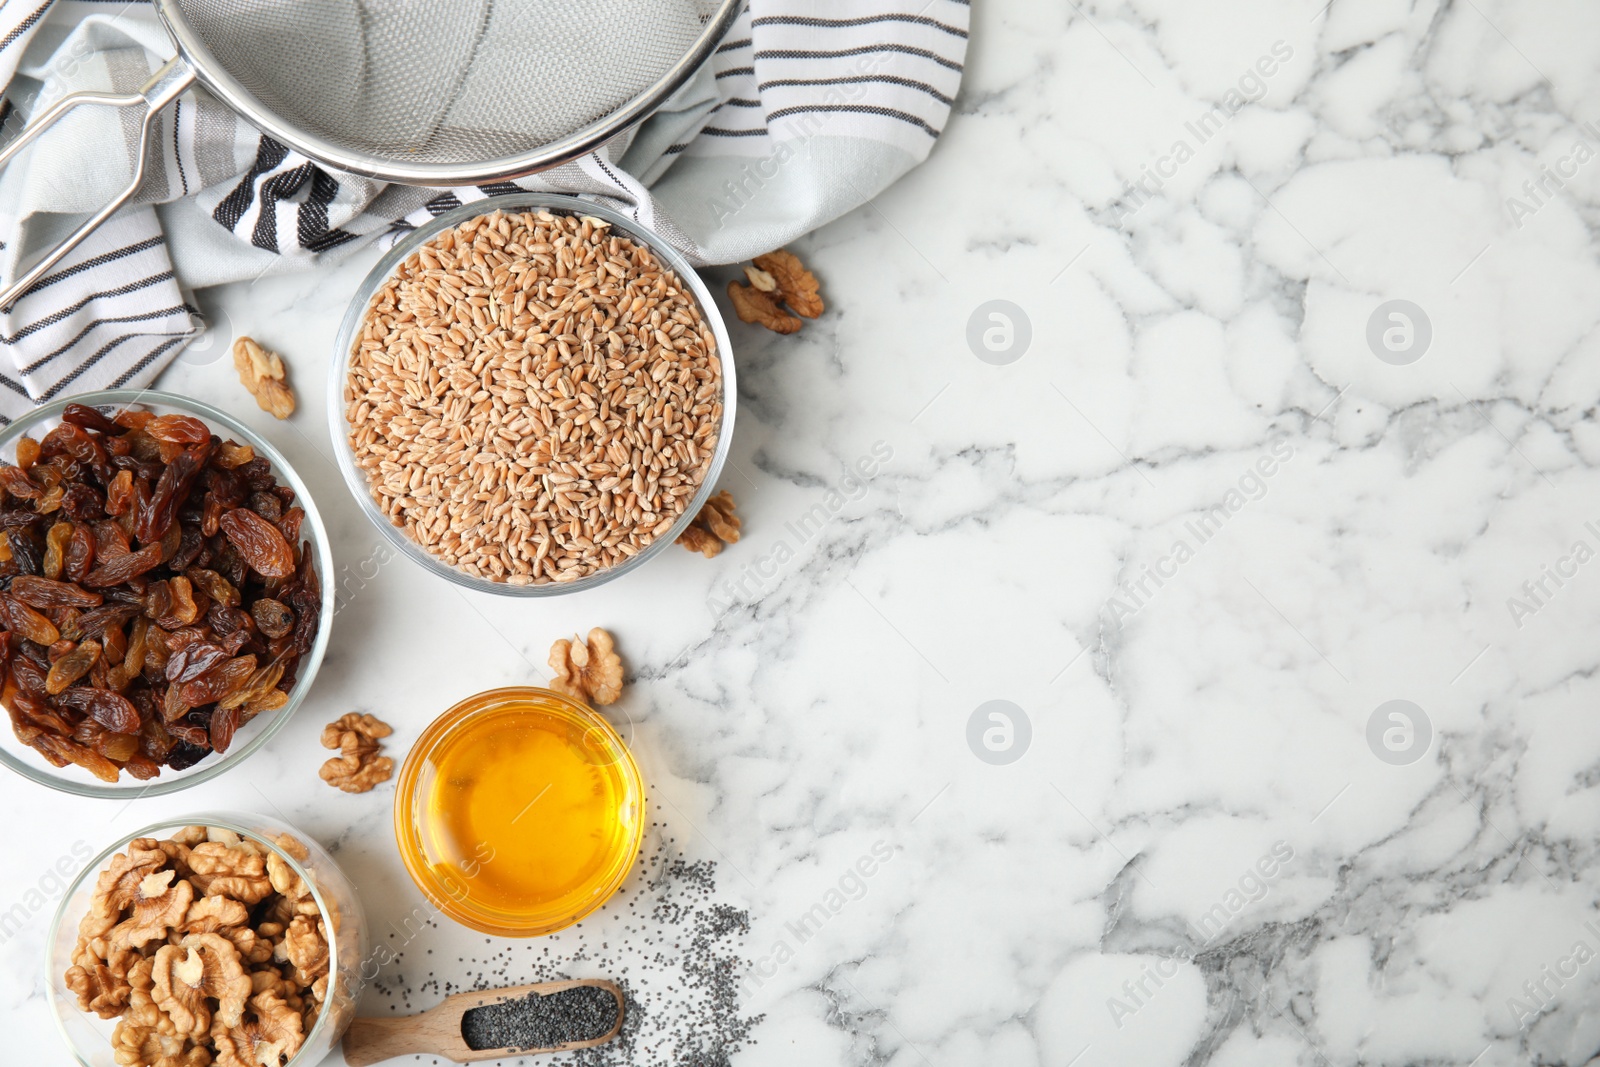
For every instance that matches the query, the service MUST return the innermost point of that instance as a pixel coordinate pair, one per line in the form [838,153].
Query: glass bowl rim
[349,328]
[309,664]
[221,820]
[406,802]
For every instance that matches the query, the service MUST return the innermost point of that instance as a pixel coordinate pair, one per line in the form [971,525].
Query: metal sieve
[420,92]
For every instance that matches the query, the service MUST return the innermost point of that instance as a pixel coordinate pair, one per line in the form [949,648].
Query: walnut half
[268,1035]
[591,672]
[715,526]
[196,971]
[779,285]
[360,764]
[262,373]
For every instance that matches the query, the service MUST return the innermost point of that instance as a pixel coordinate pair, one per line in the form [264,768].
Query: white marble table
[1197,533]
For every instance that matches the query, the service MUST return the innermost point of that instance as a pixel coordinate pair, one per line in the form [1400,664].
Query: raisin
[141,767]
[27,452]
[214,586]
[30,678]
[306,600]
[55,545]
[190,547]
[158,600]
[170,542]
[154,740]
[259,543]
[184,609]
[119,495]
[138,638]
[256,688]
[211,514]
[71,667]
[155,651]
[179,429]
[89,760]
[185,755]
[79,554]
[229,565]
[118,748]
[173,706]
[82,503]
[26,551]
[290,524]
[114,644]
[257,474]
[121,568]
[15,481]
[232,455]
[271,700]
[112,710]
[28,623]
[226,620]
[226,486]
[193,660]
[267,505]
[44,593]
[178,638]
[89,418]
[156,515]
[223,723]
[69,440]
[218,683]
[273,618]
[110,541]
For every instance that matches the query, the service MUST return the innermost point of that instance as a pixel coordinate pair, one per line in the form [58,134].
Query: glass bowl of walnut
[220,938]
[164,602]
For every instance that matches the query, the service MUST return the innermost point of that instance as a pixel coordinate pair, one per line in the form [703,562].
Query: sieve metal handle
[165,86]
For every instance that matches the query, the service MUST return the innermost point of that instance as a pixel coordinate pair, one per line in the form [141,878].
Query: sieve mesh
[445,81]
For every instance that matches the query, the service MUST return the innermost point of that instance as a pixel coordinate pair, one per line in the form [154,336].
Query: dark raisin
[26,551]
[82,503]
[88,418]
[184,755]
[267,505]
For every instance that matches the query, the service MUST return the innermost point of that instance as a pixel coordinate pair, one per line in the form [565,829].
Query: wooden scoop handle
[437,1031]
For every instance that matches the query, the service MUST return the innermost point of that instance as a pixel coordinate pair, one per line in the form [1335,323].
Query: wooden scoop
[437,1031]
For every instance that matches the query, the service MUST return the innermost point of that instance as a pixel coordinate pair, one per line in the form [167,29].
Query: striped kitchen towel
[807,109]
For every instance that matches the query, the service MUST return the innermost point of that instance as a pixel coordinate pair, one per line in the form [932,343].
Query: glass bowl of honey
[519,811]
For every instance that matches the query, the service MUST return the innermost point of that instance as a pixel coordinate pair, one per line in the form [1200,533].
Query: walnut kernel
[715,526]
[262,373]
[359,765]
[591,672]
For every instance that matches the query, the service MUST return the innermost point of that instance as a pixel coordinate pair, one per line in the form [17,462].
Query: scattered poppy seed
[676,951]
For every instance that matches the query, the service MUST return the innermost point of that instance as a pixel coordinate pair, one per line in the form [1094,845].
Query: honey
[519,811]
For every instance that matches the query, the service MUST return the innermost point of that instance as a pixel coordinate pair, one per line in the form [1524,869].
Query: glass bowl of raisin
[164,594]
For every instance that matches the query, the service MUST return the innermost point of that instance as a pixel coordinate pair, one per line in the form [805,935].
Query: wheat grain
[532,398]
